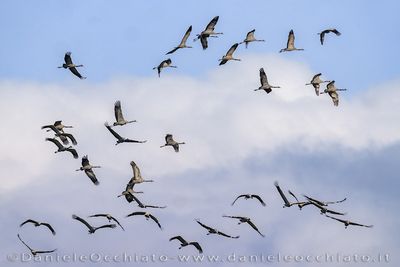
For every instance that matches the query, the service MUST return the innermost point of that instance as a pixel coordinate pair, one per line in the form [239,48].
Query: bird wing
[155,220]
[204,42]
[212,23]
[335,97]
[98,215]
[331,86]
[249,222]
[335,212]
[169,138]
[290,42]
[82,221]
[259,199]
[105,226]
[50,228]
[250,35]
[287,203]
[234,217]
[85,161]
[186,36]
[180,238]
[315,200]
[113,132]
[322,37]
[118,112]
[28,221]
[196,245]
[237,198]
[45,251]
[115,220]
[232,49]
[315,77]
[336,32]
[24,243]
[334,202]
[52,127]
[136,171]
[76,72]
[223,234]
[136,213]
[290,192]
[358,224]
[67,58]
[205,226]
[92,176]
[337,219]
[71,137]
[176,147]
[173,50]
[223,62]
[263,77]
[56,142]
[73,152]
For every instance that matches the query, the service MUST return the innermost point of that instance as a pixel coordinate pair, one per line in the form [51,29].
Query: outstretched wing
[70,136]
[232,49]
[335,202]
[45,251]
[28,221]
[287,203]
[254,227]
[259,199]
[173,50]
[358,224]
[204,42]
[263,77]
[212,23]
[50,228]
[290,42]
[186,36]
[322,37]
[92,176]
[136,171]
[73,152]
[223,234]
[82,221]
[205,226]
[113,132]
[155,220]
[56,142]
[118,112]
[105,226]
[250,35]
[52,127]
[67,58]
[76,73]
[237,199]
[136,213]
[293,195]
[26,245]
[196,245]
[115,220]
[180,238]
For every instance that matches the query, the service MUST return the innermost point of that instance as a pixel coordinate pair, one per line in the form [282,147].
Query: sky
[237,140]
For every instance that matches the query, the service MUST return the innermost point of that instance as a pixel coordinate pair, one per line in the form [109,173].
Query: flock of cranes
[62,140]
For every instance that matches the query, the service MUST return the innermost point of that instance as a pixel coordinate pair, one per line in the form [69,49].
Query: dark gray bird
[109,218]
[245,220]
[35,252]
[250,196]
[36,224]
[59,132]
[214,231]
[169,141]
[147,215]
[119,118]
[92,229]
[316,81]
[164,64]
[208,32]
[71,66]
[322,34]
[88,169]
[121,139]
[59,126]
[347,223]
[250,38]
[324,203]
[62,148]
[229,55]
[183,41]
[264,83]
[184,243]
[290,44]
[332,91]
[325,210]
[285,200]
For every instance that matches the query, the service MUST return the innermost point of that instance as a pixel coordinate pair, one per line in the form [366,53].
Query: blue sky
[128,38]
[237,140]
